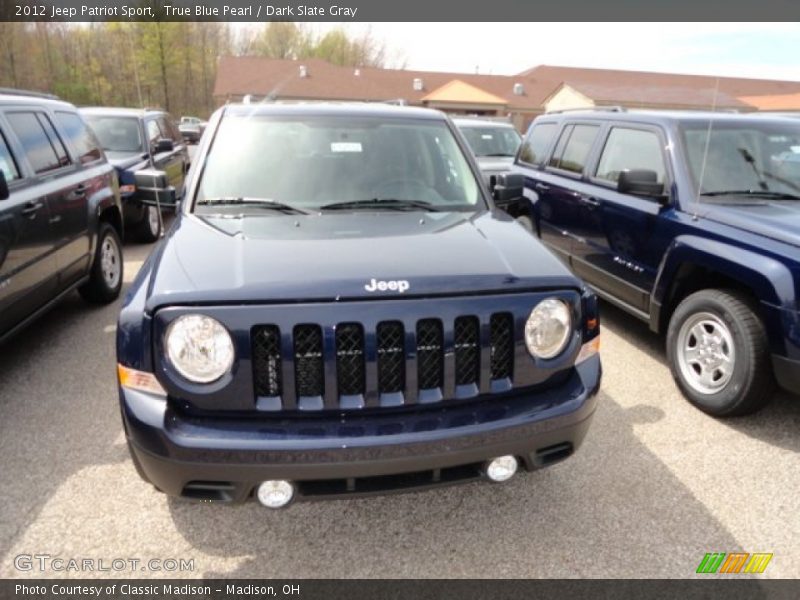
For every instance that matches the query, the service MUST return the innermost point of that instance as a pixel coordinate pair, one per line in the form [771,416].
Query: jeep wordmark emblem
[374,285]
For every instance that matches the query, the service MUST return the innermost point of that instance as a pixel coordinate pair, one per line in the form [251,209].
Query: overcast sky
[761,50]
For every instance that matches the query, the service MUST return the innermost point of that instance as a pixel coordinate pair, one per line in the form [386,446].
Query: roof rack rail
[152,109]
[18,92]
[589,109]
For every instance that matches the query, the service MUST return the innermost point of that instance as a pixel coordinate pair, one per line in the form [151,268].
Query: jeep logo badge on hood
[401,285]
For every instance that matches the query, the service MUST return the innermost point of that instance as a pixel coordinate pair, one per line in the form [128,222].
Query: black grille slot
[430,355]
[468,352]
[308,367]
[502,341]
[267,360]
[391,357]
[350,358]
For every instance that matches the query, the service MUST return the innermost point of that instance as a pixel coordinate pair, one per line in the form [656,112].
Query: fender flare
[770,280]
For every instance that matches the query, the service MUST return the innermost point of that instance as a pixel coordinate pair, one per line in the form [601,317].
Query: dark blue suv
[340,310]
[691,222]
[151,160]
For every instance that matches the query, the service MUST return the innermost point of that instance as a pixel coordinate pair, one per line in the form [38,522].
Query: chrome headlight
[199,347]
[548,328]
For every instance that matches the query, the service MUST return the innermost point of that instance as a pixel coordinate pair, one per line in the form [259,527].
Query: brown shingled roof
[676,96]
[774,102]
[635,80]
[237,76]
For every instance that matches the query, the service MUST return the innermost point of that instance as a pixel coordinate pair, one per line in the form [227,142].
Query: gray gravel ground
[656,485]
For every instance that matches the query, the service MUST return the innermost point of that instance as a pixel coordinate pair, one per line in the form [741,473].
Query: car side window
[573,147]
[536,143]
[7,164]
[42,146]
[169,129]
[83,140]
[627,149]
[153,132]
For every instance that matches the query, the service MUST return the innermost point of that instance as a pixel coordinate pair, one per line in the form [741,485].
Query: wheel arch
[693,263]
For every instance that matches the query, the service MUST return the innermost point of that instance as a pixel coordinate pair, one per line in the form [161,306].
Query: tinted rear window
[82,139]
[7,164]
[536,144]
[43,152]
[577,143]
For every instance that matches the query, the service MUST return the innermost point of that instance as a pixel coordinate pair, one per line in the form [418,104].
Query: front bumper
[223,459]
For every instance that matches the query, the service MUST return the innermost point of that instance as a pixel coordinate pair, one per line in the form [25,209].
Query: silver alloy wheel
[110,262]
[706,354]
[152,220]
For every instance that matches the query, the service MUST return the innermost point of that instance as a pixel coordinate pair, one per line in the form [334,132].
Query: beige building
[519,97]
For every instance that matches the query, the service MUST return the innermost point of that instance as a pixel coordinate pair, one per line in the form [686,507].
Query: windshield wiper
[753,193]
[259,202]
[388,203]
[497,154]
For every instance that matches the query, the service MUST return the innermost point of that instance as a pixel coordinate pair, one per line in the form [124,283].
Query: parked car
[151,161]
[192,128]
[60,213]
[339,310]
[494,143]
[689,221]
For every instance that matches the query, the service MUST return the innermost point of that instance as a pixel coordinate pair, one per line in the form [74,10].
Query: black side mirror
[4,193]
[153,188]
[508,187]
[640,182]
[163,145]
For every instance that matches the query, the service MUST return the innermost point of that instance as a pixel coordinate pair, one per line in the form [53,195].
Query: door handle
[590,201]
[31,208]
[541,187]
[78,192]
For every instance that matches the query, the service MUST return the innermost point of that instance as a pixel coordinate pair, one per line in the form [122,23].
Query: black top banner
[400,10]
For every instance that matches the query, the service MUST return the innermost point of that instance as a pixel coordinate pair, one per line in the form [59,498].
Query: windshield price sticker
[346,147]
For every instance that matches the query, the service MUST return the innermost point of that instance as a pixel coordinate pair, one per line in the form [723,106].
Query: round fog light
[502,468]
[275,494]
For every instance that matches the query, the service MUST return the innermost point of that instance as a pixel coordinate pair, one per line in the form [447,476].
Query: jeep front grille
[308,363]
[267,354]
[350,359]
[468,350]
[347,365]
[391,357]
[502,344]
[430,357]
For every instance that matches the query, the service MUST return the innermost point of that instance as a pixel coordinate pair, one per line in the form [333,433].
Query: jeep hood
[125,160]
[779,220]
[494,164]
[333,256]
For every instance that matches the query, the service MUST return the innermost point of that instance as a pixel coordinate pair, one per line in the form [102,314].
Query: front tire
[150,227]
[718,353]
[105,280]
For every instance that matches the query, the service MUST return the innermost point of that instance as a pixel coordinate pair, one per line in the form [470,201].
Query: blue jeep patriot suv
[340,310]
[691,222]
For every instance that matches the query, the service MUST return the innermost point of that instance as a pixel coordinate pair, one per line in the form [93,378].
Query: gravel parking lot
[656,485]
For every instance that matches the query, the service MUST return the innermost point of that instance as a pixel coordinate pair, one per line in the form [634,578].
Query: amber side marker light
[139,380]
[588,350]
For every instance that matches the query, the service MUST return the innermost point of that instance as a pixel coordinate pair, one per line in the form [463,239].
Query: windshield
[310,163]
[117,134]
[492,141]
[744,156]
